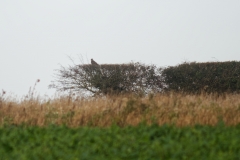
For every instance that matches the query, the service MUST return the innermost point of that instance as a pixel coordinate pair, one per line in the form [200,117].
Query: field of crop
[163,126]
[133,142]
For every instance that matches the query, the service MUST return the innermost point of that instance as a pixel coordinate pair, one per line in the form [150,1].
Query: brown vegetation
[123,110]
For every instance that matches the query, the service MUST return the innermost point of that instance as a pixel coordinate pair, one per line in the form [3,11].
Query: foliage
[210,77]
[141,142]
[109,79]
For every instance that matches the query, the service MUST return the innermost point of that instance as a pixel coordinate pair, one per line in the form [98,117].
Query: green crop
[140,142]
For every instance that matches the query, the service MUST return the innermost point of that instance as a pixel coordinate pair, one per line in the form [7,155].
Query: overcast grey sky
[37,36]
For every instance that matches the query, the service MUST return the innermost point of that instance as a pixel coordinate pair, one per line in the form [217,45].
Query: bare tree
[108,78]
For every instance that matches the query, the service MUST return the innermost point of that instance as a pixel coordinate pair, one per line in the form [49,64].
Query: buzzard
[93,62]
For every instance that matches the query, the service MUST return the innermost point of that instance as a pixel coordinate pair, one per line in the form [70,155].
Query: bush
[193,78]
[210,77]
[109,78]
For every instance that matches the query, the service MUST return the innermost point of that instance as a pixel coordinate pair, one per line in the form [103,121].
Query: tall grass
[122,110]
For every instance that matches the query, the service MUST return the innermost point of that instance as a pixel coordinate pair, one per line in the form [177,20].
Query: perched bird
[93,62]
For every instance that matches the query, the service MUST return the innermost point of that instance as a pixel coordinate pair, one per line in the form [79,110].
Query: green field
[139,142]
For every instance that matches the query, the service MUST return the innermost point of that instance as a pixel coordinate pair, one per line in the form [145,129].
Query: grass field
[123,110]
[163,126]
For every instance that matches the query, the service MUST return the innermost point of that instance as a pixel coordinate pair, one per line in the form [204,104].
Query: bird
[93,62]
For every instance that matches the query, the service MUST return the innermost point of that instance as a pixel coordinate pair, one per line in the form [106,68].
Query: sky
[36,37]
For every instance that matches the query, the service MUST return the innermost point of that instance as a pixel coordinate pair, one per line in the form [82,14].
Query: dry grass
[123,110]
